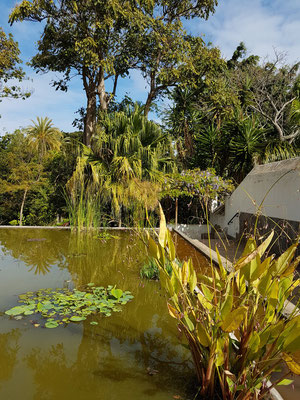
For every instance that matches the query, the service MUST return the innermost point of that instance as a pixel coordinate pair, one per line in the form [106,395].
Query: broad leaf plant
[233,320]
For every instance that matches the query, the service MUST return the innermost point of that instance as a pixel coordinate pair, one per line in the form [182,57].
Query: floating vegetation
[62,306]
[150,269]
[104,236]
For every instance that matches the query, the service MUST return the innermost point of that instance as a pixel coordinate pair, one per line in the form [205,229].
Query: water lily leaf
[51,324]
[94,323]
[117,293]
[77,318]
[28,312]
[15,310]
[63,305]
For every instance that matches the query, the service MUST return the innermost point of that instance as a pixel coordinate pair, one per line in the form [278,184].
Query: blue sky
[264,25]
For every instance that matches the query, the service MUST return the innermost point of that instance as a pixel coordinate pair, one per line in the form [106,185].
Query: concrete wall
[192,231]
[282,202]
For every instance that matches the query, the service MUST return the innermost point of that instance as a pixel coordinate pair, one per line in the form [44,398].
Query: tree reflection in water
[112,364]
[130,355]
[9,346]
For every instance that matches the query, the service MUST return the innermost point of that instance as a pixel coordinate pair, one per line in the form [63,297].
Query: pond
[134,354]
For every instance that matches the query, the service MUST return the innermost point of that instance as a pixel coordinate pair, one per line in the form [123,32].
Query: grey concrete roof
[277,166]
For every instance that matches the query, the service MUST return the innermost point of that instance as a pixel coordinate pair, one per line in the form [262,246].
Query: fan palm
[43,136]
[127,160]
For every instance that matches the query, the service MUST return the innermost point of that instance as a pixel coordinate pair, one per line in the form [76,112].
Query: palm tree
[43,136]
[246,146]
[127,160]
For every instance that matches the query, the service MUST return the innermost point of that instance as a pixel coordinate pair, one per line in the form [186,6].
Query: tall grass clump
[83,198]
[233,320]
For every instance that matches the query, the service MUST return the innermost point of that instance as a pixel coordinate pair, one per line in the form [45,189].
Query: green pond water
[134,354]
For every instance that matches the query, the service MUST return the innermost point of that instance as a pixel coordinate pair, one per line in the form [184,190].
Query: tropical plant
[43,136]
[246,146]
[126,162]
[22,173]
[232,320]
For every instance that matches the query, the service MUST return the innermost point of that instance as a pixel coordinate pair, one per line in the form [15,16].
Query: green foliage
[42,175]
[124,166]
[105,235]
[9,69]
[205,185]
[240,113]
[43,137]
[62,306]
[232,321]
[100,40]
[150,269]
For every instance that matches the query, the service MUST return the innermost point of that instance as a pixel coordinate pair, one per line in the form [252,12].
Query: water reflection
[39,249]
[9,346]
[111,364]
[82,253]
[130,355]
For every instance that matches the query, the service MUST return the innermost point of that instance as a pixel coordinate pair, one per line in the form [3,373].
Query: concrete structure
[270,190]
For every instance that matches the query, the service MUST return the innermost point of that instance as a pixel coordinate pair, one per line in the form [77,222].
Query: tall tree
[10,68]
[272,90]
[89,38]
[23,173]
[43,136]
[103,39]
[168,55]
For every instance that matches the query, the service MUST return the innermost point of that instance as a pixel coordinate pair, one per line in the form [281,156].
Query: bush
[233,321]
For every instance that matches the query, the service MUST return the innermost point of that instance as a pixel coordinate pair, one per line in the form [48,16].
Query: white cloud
[262,25]
[44,101]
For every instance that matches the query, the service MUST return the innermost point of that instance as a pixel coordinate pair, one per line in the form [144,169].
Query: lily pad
[51,324]
[62,306]
[76,318]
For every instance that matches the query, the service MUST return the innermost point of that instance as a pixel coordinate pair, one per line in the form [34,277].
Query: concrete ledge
[209,253]
[123,228]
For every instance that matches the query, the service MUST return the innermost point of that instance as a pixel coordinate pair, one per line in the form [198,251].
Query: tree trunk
[176,212]
[22,207]
[102,93]
[148,103]
[120,217]
[90,119]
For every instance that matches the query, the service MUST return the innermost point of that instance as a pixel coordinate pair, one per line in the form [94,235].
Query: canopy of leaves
[9,67]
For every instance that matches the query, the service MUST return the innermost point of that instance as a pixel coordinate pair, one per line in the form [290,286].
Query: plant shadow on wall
[232,320]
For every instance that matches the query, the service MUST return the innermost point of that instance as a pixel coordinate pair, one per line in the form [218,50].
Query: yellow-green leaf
[234,319]
[189,323]
[202,335]
[173,312]
[227,304]
[285,382]
[162,227]
[292,363]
